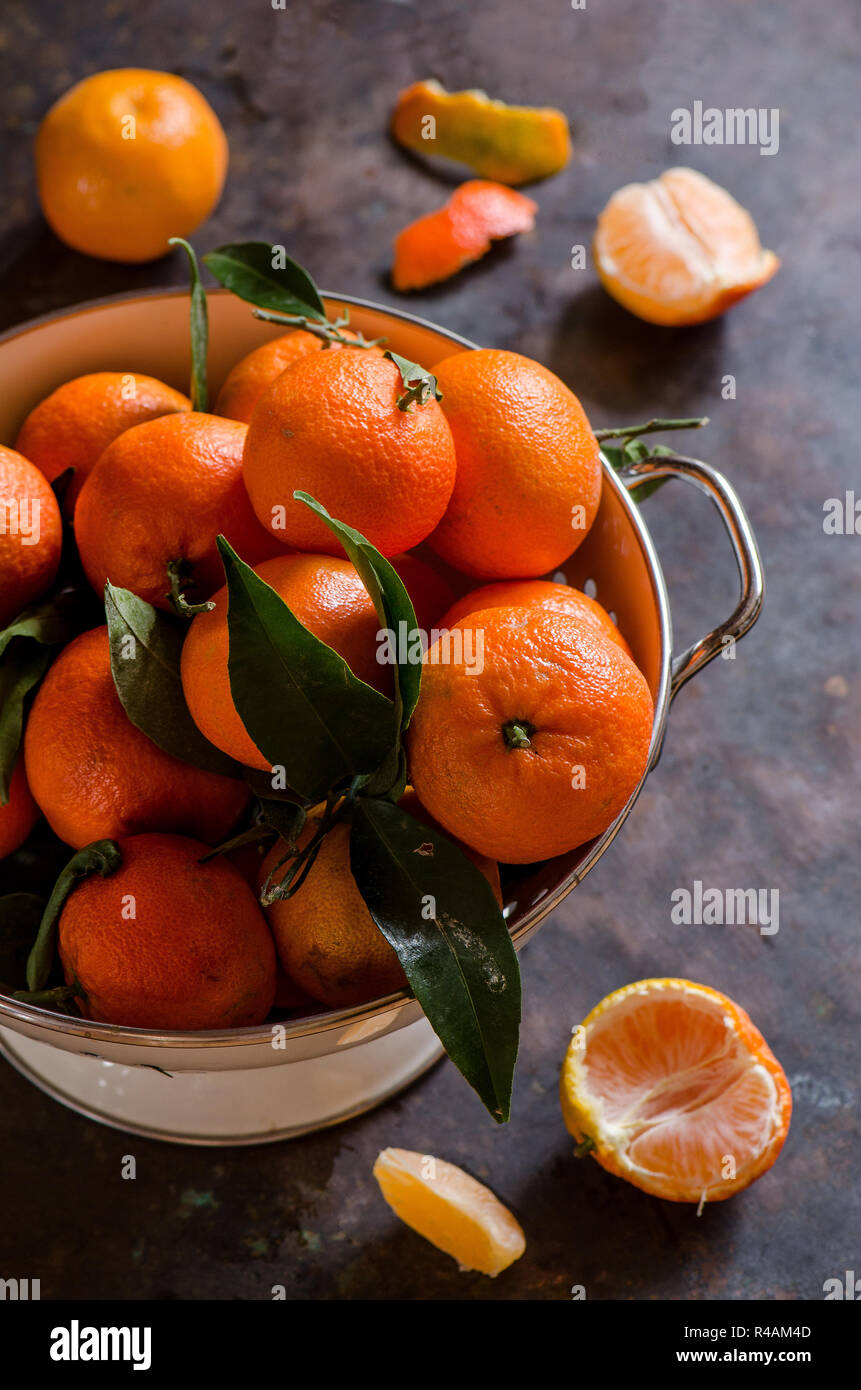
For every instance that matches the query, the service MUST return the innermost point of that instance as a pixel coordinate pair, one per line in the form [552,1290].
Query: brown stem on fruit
[179,574]
[586,1146]
[518,733]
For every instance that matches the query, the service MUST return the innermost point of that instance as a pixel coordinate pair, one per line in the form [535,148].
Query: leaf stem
[58,995]
[650,427]
[102,857]
[303,859]
[329,330]
[421,384]
[199,328]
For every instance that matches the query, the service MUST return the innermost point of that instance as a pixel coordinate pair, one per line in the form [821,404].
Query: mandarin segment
[455,1212]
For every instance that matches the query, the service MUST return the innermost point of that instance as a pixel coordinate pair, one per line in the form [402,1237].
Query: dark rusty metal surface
[757,786]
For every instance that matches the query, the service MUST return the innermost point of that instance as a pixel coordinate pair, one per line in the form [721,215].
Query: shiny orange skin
[586,706]
[118,190]
[95,776]
[28,510]
[166,942]
[539,593]
[20,813]
[326,939]
[331,426]
[527,460]
[71,427]
[327,596]
[429,591]
[163,491]
[254,373]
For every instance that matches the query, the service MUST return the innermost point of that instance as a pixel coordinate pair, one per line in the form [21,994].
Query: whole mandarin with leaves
[538,593]
[126,159]
[168,942]
[539,750]
[528,480]
[331,426]
[72,426]
[19,814]
[95,776]
[326,938]
[159,496]
[31,534]
[327,595]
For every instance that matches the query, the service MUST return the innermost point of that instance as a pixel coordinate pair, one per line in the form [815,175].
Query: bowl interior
[149,333]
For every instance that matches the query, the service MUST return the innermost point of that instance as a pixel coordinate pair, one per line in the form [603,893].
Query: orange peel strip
[440,244]
[510,144]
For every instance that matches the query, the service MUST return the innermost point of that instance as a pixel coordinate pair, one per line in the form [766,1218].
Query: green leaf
[264,276]
[421,384]
[391,600]
[199,328]
[25,655]
[102,857]
[285,817]
[619,458]
[440,915]
[49,623]
[20,915]
[632,449]
[146,649]
[23,667]
[298,699]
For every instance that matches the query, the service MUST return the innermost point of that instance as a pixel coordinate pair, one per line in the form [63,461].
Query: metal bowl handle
[745,549]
